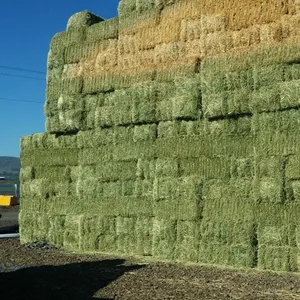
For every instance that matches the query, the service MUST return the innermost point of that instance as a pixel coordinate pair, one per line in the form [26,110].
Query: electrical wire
[19,100]
[21,76]
[21,69]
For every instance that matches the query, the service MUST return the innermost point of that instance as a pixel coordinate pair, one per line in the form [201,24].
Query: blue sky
[26,28]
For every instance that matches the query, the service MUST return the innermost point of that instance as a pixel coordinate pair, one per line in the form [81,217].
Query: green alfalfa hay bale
[223,198]
[144,5]
[112,171]
[284,121]
[289,94]
[143,188]
[108,29]
[104,116]
[242,256]
[238,102]
[228,231]
[88,233]
[72,86]
[242,79]
[178,198]
[265,99]
[53,90]
[292,71]
[71,232]
[292,170]
[71,121]
[144,132]
[126,7]
[128,187]
[187,242]
[51,108]
[167,168]
[144,236]
[215,104]
[229,127]
[266,76]
[95,138]
[275,258]
[204,167]
[27,174]
[143,111]
[164,106]
[269,190]
[242,168]
[213,83]
[187,99]
[146,168]
[168,75]
[191,128]
[63,39]
[168,129]
[106,240]
[276,235]
[164,238]
[123,134]
[212,253]
[126,235]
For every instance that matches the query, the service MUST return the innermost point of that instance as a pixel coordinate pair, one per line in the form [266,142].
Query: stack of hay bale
[172,132]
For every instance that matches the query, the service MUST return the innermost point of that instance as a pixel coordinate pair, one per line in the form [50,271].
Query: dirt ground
[36,273]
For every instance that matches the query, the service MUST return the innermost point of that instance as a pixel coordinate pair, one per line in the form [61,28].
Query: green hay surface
[52,157]
[164,238]
[187,242]
[125,232]
[205,168]
[266,76]
[145,133]
[242,168]
[66,38]
[167,129]
[238,102]
[83,19]
[144,236]
[71,232]
[292,71]
[105,83]
[178,198]
[187,99]
[75,53]
[223,198]
[289,94]
[95,138]
[109,29]
[127,7]
[215,104]
[265,99]
[146,168]
[167,168]
[276,258]
[191,128]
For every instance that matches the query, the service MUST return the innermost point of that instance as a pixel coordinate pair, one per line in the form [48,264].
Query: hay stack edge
[172,131]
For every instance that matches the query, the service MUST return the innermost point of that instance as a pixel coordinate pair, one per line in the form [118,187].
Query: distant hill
[9,166]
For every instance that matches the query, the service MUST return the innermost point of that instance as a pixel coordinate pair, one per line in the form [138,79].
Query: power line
[21,76]
[21,69]
[19,100]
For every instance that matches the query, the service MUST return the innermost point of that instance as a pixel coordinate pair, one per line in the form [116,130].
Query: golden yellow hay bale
[147,38]
[107,56]
[190,30]
[127,44]
[213,23]
[271,33]
[217,43]
[246,37]
[164,53]
[192,49]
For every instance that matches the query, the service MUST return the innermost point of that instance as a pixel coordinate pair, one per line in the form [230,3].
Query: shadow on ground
[71,281]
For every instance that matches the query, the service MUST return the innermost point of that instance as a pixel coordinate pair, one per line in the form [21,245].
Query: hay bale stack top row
[172,131]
